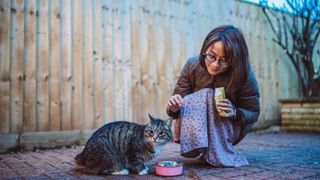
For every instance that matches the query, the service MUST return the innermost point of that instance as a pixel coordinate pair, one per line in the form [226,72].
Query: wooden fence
[77,64]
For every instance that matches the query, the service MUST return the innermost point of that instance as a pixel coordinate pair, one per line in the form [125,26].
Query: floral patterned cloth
[201,130]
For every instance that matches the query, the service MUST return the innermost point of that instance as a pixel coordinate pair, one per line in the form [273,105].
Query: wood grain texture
[66,65]
[117,60]
[88,59]
[5,66]
[97,43]
[54,56]
[16,65]
[78,64]
[30,69]
[108,63]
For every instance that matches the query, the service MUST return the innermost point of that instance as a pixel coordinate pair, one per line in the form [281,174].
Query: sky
[277,3]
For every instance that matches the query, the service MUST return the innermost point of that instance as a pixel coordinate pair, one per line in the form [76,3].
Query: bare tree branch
[286,29]
[297,27]
[316,37]
[269,21]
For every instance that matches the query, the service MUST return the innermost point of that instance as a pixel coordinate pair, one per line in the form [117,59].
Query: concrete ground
[271,156]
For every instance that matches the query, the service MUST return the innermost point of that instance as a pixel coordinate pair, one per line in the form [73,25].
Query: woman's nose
[215,63]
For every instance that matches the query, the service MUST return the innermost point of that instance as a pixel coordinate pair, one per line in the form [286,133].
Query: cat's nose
[155,138]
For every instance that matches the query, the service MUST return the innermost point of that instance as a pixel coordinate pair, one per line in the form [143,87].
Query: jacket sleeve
[183,86]
[248,107]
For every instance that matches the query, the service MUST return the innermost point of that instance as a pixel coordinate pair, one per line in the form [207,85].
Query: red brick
[302,110]
[7,173]
[291,116]
[290,105]
[18,165]
[297,175]
[313,105]
[285,110]
[234,173]
[265,174]
[297,122]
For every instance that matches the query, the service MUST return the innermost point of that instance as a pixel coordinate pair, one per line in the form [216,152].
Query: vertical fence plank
[144,76]
[66,65]
[88,65]
[97,15]
[174,39]
[161,59]
[189,17]
[43,67]
[126,60]
[136,81]
[54,106]
[77,60]
[5,66]
[164,88]
[117,60]
[155,28]
[29,108]
[17,65]
[108,66]
[178,37]
[170,78]
[153,107]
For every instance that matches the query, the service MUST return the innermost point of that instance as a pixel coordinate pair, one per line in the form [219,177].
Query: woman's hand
[226,106]
[175,103]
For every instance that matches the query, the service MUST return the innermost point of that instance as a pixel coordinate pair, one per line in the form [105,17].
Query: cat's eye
[150,133]
[161,133]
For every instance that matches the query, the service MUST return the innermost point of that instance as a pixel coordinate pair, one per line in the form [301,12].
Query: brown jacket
[194,77]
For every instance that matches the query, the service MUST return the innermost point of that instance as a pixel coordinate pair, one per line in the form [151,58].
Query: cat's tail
[80,159]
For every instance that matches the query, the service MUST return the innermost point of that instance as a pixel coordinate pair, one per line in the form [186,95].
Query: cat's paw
[144,171]
[122,172]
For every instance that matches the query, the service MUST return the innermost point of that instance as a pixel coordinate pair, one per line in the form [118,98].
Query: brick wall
[300,116]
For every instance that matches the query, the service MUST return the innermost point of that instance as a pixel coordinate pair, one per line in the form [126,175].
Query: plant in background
[296,26]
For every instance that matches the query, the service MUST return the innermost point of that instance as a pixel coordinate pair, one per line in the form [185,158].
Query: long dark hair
[236,51]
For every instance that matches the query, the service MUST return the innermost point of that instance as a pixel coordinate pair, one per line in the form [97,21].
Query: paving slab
[271,156]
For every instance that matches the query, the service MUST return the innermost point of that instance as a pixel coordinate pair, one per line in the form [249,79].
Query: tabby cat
[120,147]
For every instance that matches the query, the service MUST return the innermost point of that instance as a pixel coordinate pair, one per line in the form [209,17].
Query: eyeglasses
[211,59]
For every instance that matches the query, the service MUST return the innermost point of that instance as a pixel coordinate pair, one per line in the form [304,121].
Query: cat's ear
[151,118]
[169,122]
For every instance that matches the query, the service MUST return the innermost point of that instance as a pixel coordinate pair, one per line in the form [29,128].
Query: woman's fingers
[175,102]
[180,98]
[229,112]
[226,106]
[225,109]
[224,103]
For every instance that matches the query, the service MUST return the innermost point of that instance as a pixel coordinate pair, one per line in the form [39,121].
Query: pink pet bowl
[169,168]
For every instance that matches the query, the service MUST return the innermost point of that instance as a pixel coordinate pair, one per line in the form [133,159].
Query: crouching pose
[209,128]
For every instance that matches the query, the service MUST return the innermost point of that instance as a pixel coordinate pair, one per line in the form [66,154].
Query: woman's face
[215,60]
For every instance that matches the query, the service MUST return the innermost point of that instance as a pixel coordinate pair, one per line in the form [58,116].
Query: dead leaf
[192,174]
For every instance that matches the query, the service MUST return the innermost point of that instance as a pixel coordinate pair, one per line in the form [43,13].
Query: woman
[200,128]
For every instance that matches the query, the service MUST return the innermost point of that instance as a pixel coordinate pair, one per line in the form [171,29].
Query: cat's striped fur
[121,146]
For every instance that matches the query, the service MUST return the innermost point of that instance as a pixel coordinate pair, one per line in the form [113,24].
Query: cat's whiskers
[157,149]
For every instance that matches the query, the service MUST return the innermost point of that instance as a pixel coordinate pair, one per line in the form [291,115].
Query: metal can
[219,93]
